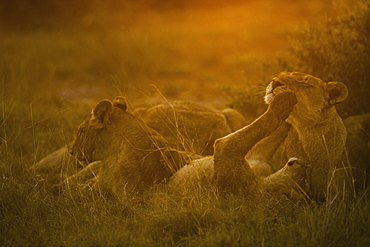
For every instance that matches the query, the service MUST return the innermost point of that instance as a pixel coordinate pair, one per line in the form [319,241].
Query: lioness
[186,126]
[317,134]
[313,132]
[129,156]
[125,155]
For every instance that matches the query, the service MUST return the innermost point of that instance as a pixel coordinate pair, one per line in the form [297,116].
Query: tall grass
[40,106]
[32,216]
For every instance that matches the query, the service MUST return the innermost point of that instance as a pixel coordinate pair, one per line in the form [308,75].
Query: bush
[338,50]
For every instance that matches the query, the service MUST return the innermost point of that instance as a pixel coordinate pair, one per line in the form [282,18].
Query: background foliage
[339,50]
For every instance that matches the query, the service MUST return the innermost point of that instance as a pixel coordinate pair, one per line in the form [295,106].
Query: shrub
[338,50]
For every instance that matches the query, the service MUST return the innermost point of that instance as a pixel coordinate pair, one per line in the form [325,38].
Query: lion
[317,134]
[124,154]
[51,169]
[191,126]
[313,133]
[186,126]
[228,170]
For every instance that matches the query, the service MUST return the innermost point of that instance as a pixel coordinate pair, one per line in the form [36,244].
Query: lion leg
[261,155]
[232,172]
[88,173]
[55,165]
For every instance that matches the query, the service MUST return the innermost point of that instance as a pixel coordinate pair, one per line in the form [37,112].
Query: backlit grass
[53,71]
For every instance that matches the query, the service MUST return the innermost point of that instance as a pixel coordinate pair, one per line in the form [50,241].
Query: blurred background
[58,58]
[189,49]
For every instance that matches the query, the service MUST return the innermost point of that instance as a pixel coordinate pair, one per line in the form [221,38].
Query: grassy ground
[30,217]
[53,70]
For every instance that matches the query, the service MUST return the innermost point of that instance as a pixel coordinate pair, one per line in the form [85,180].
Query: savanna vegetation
[58,58]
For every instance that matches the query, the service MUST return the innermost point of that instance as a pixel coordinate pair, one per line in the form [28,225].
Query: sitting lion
[313,132]
[316,134]
[314,128]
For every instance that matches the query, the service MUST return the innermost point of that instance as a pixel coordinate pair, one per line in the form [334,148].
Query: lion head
[101,130]
[314,96]
[134,155]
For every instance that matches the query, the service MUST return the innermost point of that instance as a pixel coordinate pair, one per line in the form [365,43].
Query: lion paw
[283,104]
[300,172]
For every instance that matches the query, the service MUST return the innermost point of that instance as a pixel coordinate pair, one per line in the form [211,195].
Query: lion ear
[120,102]
[337,92]
[100,114]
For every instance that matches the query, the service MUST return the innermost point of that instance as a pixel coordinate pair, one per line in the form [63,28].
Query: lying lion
[124,154]
[130,156]
[228,170]
[313,133]
[186,126]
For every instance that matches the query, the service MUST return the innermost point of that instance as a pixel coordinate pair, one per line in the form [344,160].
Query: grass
[31,217]
[50,78]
